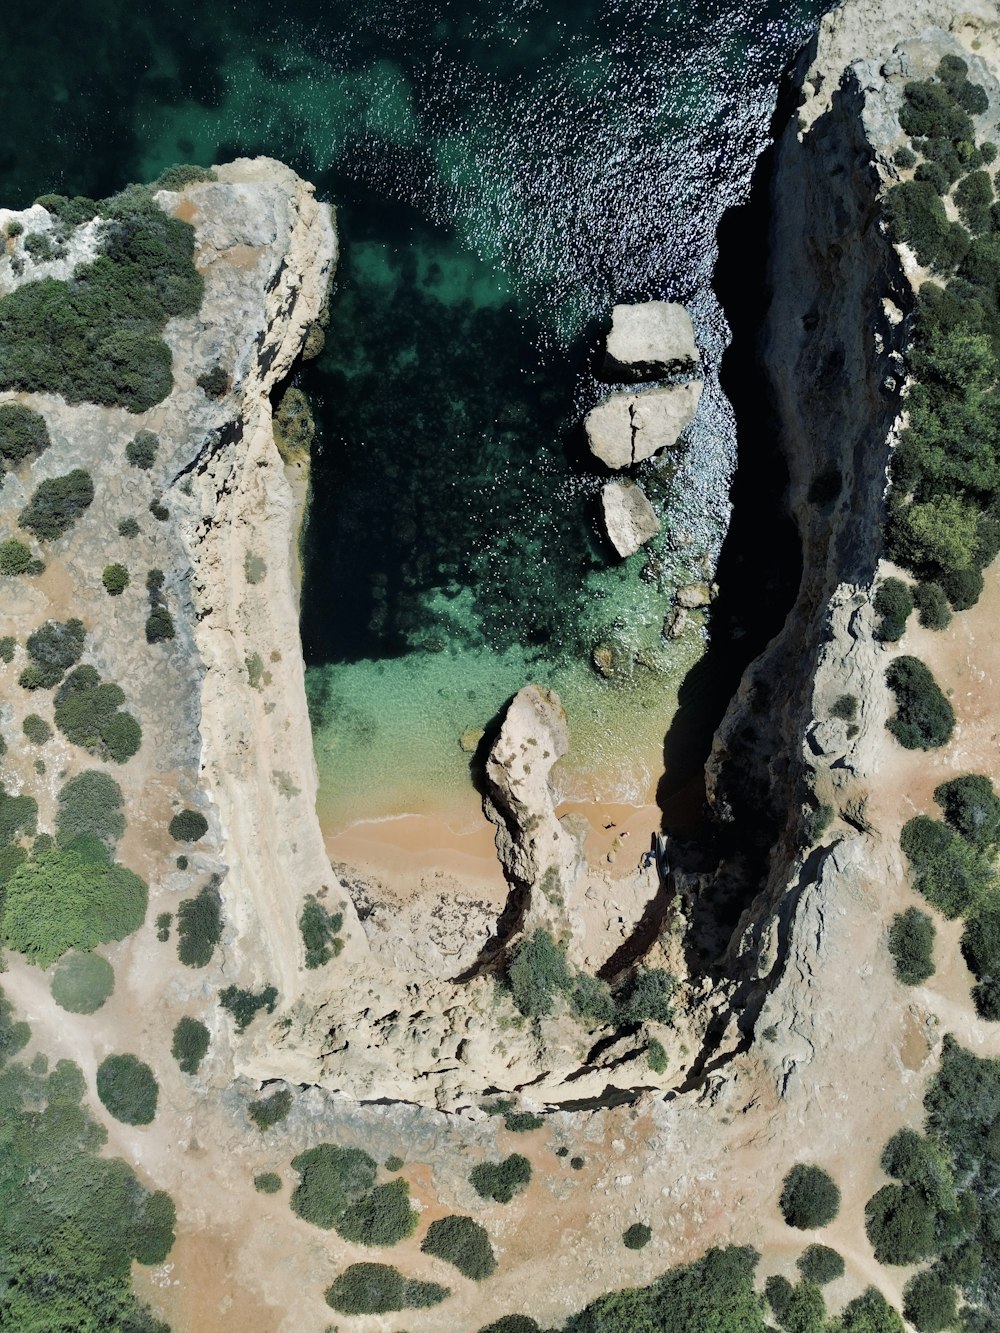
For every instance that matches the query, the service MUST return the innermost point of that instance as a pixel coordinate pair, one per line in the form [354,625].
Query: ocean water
[503,176]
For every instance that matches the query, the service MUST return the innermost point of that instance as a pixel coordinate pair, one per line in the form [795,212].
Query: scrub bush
[163,923]
[930,1303]
[115,579]
[90,806]
[36,729]
[269,1111]
[127,1089]
[72,898]
[53,648]
[931,111]
[330,1179]
[199,927]
[82,982]
[645,997]
[141,451]
[380,1289]
[159,625]
[537,970]
[893,602]
[181,175]
[656,1057]
[18,816]
[949,872]
[214,382]
[16,558]
[462,1242]
[57,502]
[637,1236]
[522,1122]
[911,943]
[267,1182]
[869,1313]
[924,719]
[320,932]
[904,158]
[23,434]
[971,807]
[962,587]
[190,1044]
[900,1223]
[87,713]
[381,1217]
[918,217]
[7,646]
[188,826]
[935,175]
[973,196]
[244,1005]
[809,1198]
[932,604]
[500,1181]
[128,527]
[820,1264]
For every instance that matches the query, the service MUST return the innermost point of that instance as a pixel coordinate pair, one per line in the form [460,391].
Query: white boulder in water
[630,427]
[629,518]
[650,340]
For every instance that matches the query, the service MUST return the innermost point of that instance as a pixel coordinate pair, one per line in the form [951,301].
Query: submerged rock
[693,595]
[629,518]
[630,427]
[650,340]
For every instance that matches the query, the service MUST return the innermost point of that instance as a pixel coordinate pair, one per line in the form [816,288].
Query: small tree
[911,943]
[141,452]
[115,579]
[190,1044]
[809,1197]
[128,1089]
[188,826]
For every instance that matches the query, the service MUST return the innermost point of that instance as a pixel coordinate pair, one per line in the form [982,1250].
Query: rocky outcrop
[629,519]
[627,428]
[650,341]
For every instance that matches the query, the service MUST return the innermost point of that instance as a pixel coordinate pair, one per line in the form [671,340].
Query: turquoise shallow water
[503,174]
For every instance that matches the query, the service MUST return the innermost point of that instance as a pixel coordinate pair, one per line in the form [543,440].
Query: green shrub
[115,579]
[924,718]
[36,729]
[911,943]
[394,1163]
[637,1236]
[18,816]
[845,707]
[820,1264]
[942,153]
[522,1122]
[127,1089]
[163,922]
[320,932]
[154,582]
[962,587]
[16,558]
[190,1044]
[82,982]
[181,175]
[188,826]
[267,1182]
[90,806]
[199,927]
[39,246]
[462,1242]
[330,1180]
[254,568]
[72,898]
[900,1223]
[141,451]
[809,1198]
[128,527]
[577,1163]
[932,604]
[214,382]
[645,997]
[935,175]
[23,435]
[97,337]
[918,217]
[271,1110]
[656,1056]
[245,1005]
[57,502]
[500,1181]
[159,625]
[893,602]
[930,1303]
[949,872]
[869,1313]
[87,713]
[981,940]
[381,1217]
[159,511]
[971,97]
[972,808]
[537,970]
[7,646]
[53,648]
[904,158]
[929,111]
[973,196]
[181,863]
[380,1289]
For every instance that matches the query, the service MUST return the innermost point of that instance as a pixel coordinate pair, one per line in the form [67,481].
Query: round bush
[36,729]
[820,1264]
[141,452]
[924,718]
[930,1303]
[159,625]
[900,1223]
[381,1217]
[971,807]
[809,1198]
[331,1178]
[115,579]
[462,1242]
[500,1181]
[190,1044]
[267,1182]
[16,558]
[932,604]
[637,1236]
[911,943]
[82,982]
[893,602]
[962,587]
[127,1089]
[128,527]
[188,826]
[90,806]
[23,433]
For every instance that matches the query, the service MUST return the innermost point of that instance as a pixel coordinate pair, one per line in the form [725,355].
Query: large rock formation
[627,428]
[650,341]
[629,519]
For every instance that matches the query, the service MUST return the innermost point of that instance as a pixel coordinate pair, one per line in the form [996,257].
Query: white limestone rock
[650,340]
[630,427]
[629,518]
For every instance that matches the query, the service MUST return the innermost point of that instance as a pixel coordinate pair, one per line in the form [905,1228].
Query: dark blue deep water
[503,175]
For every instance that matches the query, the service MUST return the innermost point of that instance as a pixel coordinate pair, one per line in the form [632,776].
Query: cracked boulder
[649,341]
[629,427]
[629,519]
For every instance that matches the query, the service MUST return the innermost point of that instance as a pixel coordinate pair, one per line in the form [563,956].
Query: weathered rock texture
[649,341]
[627,428]
[629,519]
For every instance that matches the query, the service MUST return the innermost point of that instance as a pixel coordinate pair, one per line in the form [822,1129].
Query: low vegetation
[90,806]
[128,1089]
[188,826]
[245,1005]
[57,502]
[88,712]
[36,729]
[199,927]
[331,1178]
[500,1181]
[266,1112]
[924,719]
[141,451]
[115,579]
[320,931]
[190,1044]
[53,648]
[820,1264]
[911,943]
[462,1242]
[893,603]
[23,435]
[82,982]
[267,1182]
[16,559]
[381,1289]
[382,1217]
[637,1236]
[809,1197]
